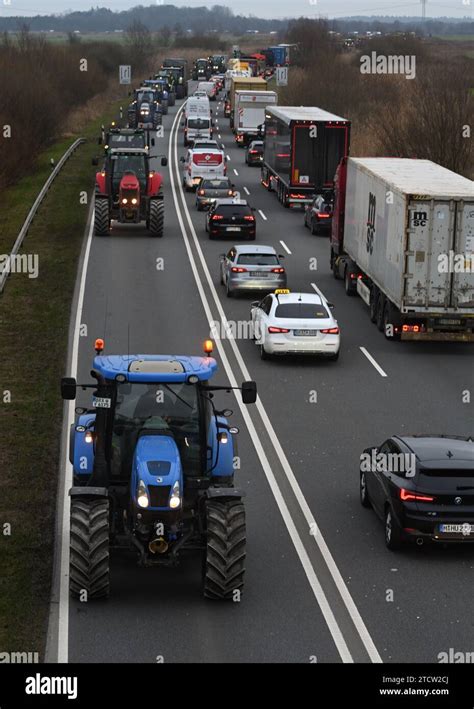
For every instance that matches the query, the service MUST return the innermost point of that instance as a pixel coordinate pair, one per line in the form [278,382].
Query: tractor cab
[118,138]
[155,453]
[145,109]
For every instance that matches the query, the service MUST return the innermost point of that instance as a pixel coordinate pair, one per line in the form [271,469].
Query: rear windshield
[448,472]
[258,259]
[214,185]
[231,210]
[304,311]
[198,122]
[256,146]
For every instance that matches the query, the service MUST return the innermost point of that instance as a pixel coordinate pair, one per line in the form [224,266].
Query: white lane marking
[285,247]
[373,362]
[219,136]
[262,215]
[63,617]
[317,535]
[223,146]
[228,158]
[246,190]
[235,172]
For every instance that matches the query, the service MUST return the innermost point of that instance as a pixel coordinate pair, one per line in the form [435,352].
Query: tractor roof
[155,368]
[128,151]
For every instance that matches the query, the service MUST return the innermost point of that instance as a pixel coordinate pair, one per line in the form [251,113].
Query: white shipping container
[405,221]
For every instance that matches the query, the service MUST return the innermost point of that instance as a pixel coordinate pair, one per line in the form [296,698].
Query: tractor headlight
[134,200]
[124,200]
[143,498]
[175,498]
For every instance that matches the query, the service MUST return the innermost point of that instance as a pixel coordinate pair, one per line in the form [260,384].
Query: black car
[318,214]
[211,189]
[254,153]
[230,217]
[422,487]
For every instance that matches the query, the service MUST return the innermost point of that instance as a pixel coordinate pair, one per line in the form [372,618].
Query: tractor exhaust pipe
[158,546]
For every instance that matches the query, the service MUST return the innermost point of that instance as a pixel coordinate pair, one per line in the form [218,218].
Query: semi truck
[403,240]
[243,83]
[303,147]
[250,114]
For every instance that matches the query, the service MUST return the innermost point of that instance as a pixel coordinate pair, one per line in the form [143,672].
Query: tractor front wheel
[224,562]
[89,548]
[156,217]
[101,217]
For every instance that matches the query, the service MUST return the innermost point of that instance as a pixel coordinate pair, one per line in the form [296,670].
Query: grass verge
[34,323]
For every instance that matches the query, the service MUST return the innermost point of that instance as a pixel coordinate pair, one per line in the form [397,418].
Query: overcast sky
[264,8]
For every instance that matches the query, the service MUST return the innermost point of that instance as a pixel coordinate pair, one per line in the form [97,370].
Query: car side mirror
[68,388]
[181,159]
[255,304]
[95,161]
[281,255]
[249,392]
[253,209]
[164,162]
[331,305]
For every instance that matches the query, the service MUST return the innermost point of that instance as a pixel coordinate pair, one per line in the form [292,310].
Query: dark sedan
[254,153]
[209,190]
[230,217]
[422,487]
[318,215]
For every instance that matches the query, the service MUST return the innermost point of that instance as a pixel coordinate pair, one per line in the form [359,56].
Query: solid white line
[246,190]
[262,215]
[63,619]
[373,362]
[235,172]
[285,247]
[317,535]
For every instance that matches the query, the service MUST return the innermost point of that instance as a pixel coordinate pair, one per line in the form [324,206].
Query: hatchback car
[318,215]
[254,153]
[247,268]
[422,487]
[295,323]
[228,217]
[209,190]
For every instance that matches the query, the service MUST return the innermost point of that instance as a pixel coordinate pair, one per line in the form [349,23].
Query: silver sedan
[250,268]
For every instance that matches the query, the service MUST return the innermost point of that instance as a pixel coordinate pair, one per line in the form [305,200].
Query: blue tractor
[153,464]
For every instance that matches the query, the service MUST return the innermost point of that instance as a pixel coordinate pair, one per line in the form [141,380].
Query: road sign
[282,76]
[125,74]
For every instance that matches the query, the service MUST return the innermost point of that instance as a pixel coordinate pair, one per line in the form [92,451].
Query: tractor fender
[100,182]
[224,493]
[87,491]
[154,184]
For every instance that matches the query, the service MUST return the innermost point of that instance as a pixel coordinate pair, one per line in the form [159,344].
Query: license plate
[259,274]
[465,528]
[233,228]
[100,402]
[304,333]
[448,321]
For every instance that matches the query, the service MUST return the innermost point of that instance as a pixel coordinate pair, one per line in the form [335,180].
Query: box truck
[243,83]
[250,114]
[303,147]
[403,239]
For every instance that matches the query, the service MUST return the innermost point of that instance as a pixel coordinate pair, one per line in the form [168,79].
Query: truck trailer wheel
[101,217]
[89,548]
[348,283]
[374,297]
[156,217]
[224,562]
[379,321]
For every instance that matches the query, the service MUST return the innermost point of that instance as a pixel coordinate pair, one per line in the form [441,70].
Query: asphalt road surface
[320,584]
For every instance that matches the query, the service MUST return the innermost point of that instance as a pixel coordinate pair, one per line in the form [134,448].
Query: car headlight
[175,497]
[143,499]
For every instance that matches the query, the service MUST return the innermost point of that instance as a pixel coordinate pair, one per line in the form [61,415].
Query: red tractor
[129,191]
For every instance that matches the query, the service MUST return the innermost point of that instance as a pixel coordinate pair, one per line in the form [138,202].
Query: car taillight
[237,269]
[331,331]
[322,215]
[215,217]
[274,330]
[406,495]
[249,217]
[253,152]
[278,270]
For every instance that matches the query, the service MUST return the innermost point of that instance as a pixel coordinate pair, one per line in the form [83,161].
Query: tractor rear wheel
[101,217]
[89,548]
[156,217]
[224,562]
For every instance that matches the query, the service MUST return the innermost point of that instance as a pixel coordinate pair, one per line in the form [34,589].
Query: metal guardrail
[32,213]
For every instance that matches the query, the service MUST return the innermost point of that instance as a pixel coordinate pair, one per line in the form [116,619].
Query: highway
[320,584]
